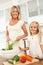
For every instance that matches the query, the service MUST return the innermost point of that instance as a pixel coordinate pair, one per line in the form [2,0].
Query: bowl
[8,54]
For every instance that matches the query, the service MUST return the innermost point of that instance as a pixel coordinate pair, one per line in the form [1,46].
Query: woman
[16,29]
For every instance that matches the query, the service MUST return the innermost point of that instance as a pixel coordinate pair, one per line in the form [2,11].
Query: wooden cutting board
[19,63]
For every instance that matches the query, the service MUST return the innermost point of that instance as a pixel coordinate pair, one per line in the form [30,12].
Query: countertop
[40,62]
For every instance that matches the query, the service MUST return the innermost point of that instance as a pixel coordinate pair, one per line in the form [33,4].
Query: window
[32,8]
[4,18]
[35,7]
[1,13]
[2,21]
[23,12]
[2,28]
[41,6]
[41,28]
[7,15]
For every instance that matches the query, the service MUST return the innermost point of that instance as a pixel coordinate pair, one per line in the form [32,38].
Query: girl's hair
[38,31]
[18,9]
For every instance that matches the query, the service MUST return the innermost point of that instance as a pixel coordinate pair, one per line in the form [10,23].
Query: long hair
[38,31]
[18,9]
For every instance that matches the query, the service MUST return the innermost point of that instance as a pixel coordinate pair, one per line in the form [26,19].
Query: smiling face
[14,12]
[34,28]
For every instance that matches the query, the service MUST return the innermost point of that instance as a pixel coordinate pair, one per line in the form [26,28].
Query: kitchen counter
[2,60]
[18,63]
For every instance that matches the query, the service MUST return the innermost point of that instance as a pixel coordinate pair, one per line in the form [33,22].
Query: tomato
[22,59]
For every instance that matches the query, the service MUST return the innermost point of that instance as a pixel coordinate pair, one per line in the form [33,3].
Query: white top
[34,46]
[15,30]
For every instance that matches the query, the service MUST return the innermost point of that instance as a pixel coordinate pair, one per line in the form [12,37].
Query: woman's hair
[38,30]
[18,9]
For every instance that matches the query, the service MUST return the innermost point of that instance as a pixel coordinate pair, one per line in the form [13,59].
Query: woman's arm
[24,30]
[7,34]
[25,33]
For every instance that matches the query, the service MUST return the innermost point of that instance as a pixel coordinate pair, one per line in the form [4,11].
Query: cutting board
[19,63]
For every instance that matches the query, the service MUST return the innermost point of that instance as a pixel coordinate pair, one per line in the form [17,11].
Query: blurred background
[29,9]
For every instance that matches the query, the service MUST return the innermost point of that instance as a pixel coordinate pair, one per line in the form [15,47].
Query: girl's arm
[25,33]
[42,48]
[41,44]
[7,34]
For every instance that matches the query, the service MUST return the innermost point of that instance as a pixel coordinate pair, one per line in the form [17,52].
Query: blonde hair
[17,7]
[38,31]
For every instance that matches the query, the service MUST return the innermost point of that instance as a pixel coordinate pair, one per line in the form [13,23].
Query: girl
[16,29]
[35,41]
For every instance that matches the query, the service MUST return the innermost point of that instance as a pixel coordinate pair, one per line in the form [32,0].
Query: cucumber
[10,61]
[14,62]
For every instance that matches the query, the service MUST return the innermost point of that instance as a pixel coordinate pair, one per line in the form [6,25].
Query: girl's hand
[23,49]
